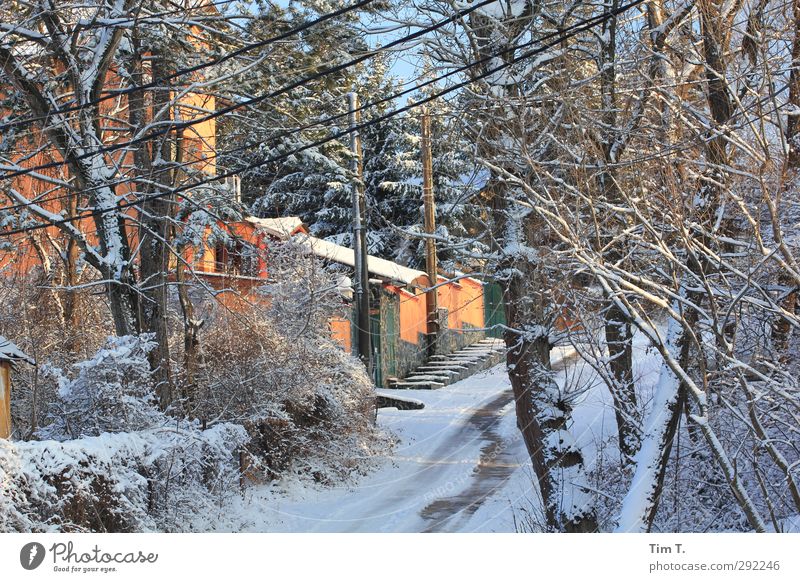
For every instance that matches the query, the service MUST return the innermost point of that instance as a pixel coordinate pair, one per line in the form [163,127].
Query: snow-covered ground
[460,465]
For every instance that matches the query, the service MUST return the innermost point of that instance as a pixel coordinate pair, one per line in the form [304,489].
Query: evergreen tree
[313,183]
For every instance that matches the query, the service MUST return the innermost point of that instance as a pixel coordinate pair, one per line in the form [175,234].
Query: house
[399,295]
[57,188]
[9,355]
[399,311]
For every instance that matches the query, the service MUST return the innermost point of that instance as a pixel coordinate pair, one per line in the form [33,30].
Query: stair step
[427,377]
[437,371]
[444,369]
[418,385]
[451,375]
[385,400]
[442,364]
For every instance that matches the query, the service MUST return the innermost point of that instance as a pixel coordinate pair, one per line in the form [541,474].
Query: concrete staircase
[440,371]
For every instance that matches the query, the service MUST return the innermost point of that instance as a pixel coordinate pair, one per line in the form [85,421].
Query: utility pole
[361,283]
[429,212]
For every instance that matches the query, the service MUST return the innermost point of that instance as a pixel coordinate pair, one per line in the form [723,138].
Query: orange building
[53,189]
[398,295]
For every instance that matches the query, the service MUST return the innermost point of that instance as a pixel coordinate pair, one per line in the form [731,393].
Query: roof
[378,267]
[281,228]
[11,353]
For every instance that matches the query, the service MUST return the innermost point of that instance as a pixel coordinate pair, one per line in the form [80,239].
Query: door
[494,309]
[391,335]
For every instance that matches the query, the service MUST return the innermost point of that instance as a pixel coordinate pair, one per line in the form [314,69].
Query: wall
[461,313]
[411,348]
[39,248]
[399,325]
[341,332]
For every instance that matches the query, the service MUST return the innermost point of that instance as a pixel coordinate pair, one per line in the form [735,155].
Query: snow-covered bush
[111,392]
[273,391]
[38,317]
[139,481]
[110,460]
[307,404]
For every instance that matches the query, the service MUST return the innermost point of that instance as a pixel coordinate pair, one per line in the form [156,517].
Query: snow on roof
[282,228]
[339,254]
[11,353]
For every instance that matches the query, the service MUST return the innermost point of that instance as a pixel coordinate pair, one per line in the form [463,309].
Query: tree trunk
[192,353]
[619,340]
[543,414]
[781,326]
[71,296]
[616,323]
[154,230]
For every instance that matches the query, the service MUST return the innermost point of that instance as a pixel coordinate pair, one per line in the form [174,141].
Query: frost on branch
[141,481]
[112,392]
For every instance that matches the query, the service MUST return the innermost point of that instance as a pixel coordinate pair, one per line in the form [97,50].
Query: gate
[494,309]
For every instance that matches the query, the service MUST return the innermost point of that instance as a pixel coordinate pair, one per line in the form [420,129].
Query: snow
[503,9]
[41,478]
[436,456]
[638,501]
[379,267]
[280,228]
[11,353]
[460,465]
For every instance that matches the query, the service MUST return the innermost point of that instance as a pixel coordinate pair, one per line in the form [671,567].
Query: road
[449,472]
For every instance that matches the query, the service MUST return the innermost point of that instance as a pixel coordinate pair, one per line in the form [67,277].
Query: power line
[559,37]
[254,100]
[564,33]
[113,94]
[326,121]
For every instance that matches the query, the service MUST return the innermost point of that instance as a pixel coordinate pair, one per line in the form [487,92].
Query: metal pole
[361,283]
[431,266]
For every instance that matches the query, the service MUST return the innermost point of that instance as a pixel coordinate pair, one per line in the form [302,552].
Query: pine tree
[393,177]
[313,183]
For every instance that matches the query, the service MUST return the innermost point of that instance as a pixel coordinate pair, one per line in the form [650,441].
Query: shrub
[111,392]
[140,481]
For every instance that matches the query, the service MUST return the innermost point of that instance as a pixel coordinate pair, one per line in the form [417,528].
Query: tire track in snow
[498,461]
[494,468]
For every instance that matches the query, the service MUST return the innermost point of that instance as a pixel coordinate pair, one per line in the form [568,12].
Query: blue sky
[404,64]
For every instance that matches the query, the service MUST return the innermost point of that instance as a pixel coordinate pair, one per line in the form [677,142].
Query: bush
[275,391]
[112,392]
[308,406]
[141,481]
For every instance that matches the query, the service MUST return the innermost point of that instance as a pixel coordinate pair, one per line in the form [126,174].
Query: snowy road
[495,466]
[460,465]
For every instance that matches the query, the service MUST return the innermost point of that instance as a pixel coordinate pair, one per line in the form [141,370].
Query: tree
[506,129]
[65,63]
[314,183]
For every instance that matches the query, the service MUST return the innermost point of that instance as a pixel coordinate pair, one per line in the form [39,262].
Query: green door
[494,310]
